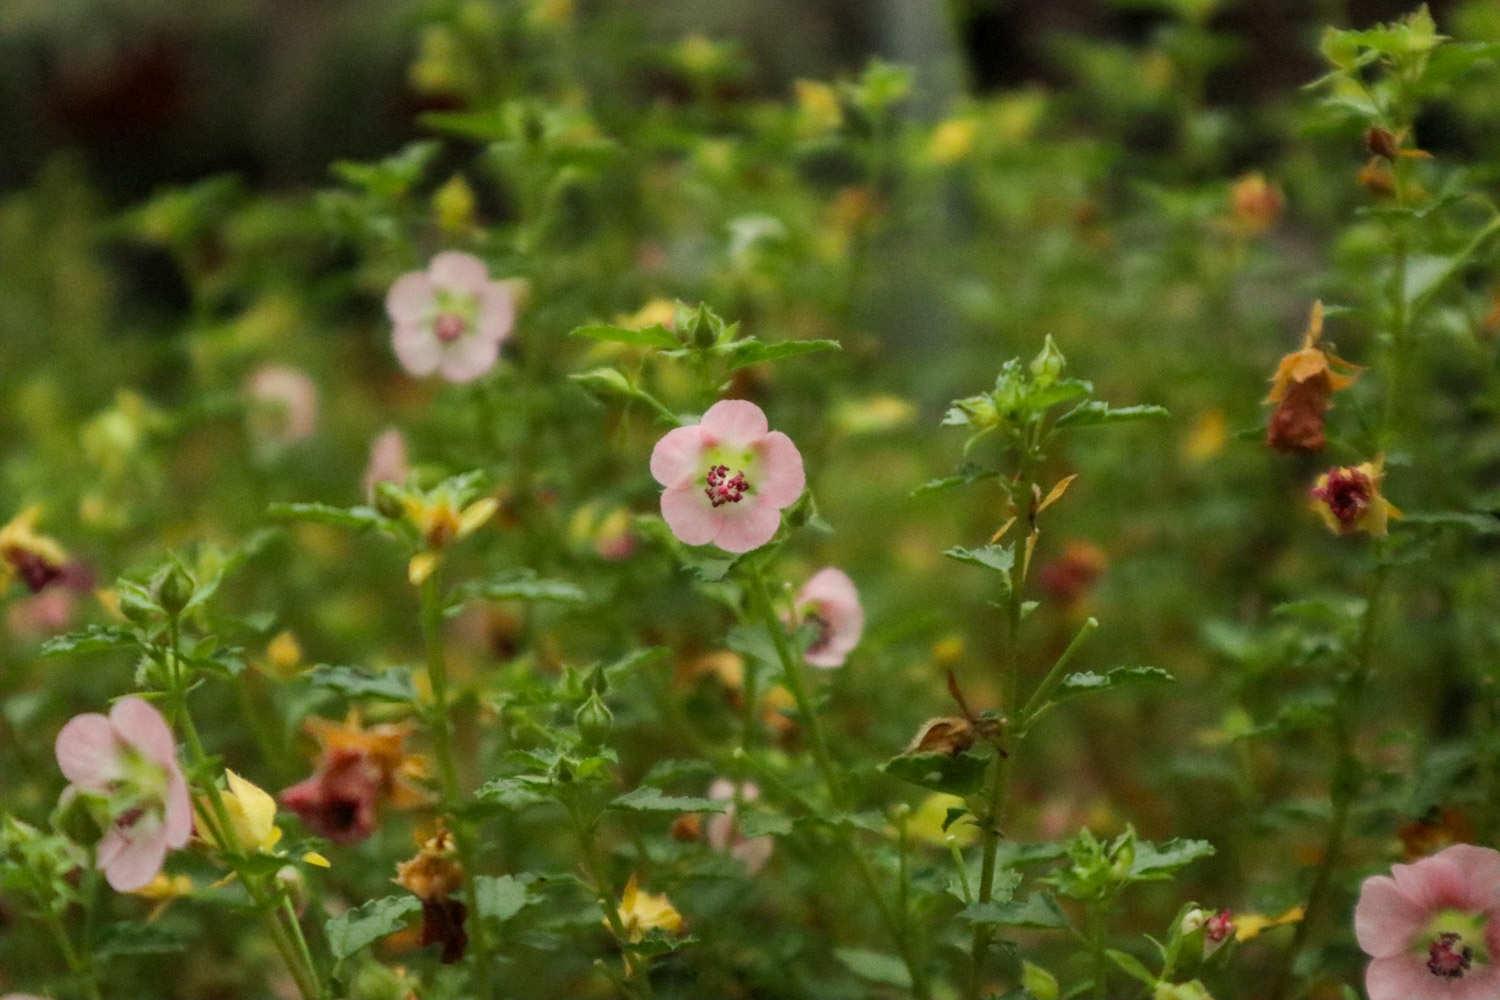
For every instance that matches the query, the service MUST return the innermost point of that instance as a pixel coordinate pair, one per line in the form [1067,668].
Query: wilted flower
[1348,499]
[723,832]
[36,559]
[450,318]
[727,477]
[1301,387]
[1432,929]
[642,912]
[358,771]
[126,764]
[831,603]
[434,875]
[1433,832]
[1248,926]
[1072,574]
[1255,203]
[283,404]
[387,463]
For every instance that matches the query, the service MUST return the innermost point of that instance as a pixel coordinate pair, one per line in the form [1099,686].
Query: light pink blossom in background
[283,404]
[830,601]
[451,318]
[388,462]
[129,759]
[723,833]
[1432,928]
[727,477]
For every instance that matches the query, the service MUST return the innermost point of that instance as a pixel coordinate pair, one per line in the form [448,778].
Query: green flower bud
[175,590]
[1038,981]
[594,720]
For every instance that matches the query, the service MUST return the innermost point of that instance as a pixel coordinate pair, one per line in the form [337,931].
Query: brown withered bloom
[1302,387]
[1377,178]
[1438,829]
[434,876]
[1069,577]
[1349,500]
[359,771]
[1255,203]
[687,828]
[954,734]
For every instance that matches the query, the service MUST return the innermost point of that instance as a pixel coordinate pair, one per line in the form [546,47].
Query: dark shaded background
[154,93]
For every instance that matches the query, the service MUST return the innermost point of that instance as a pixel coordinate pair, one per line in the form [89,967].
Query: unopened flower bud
[175,590]
[594,720]
[289,880]
[388,500]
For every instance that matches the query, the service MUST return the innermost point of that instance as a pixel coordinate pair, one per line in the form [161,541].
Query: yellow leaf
[1056,493]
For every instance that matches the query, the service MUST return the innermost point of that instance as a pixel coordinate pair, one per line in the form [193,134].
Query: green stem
[637,977]
[1036,704]
[1096,949]
[796,680]
[82,969]
[442,741]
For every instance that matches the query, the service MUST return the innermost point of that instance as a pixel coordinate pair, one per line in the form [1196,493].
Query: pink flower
[450,318]
[723,835]
[387,464]
[128,762]
[727,478]
[283,404]
[1433,928]
[830,602]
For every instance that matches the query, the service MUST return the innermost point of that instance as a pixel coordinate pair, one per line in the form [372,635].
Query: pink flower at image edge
[727,477]
[450,318]
[94,752]
[829,599]
[1432,928]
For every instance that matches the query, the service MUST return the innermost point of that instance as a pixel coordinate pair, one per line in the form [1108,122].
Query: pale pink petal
[1480,983]
[417,348]
[677,459]
[1403,977]
[1434,883]
[689,514]
[754,852]
[831,595]
[109,848]
[138,862]
[719,830]
[746,525]
[1385,919]
[468,358]
[410,298]
[88,752]
[781,478]
[178,822]
[140,725]
[734,422]
[459,272]
[1479,874]
[497,311]
[387,463]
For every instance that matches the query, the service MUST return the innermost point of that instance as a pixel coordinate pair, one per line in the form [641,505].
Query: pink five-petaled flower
[831,603]
[127,761]
[1432,928]
[727,477]
[450,318]
[723,831]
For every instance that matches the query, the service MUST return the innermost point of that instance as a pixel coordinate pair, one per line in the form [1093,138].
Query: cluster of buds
[359,770]
[1385,147]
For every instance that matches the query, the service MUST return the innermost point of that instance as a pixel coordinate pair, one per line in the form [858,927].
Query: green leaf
[648,799]
[503,897]
[651,336]
[92,639]
[523,585]
[1131,966]
[1087,682]
[875,966]
[965,476]
[515,793]
[364,925]
[761,823]
[355,682]
[359,518]
[1479,524]
[958,774]
[1096,412]
[1037,910]
[393,176]
[135,938]
[1160,860]
[750,351]
[999,558]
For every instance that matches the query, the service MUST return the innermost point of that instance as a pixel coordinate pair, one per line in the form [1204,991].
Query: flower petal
[735,422]
[677,459]
[409,298]
[139,724]
[746,525]
[417,348]
[690,516]
[178,823]
[1403,977]
[1385,919]
[88,752]
[1479,872]
[497,311]
[782,477]
[469,358]
[137,862]
[458,272]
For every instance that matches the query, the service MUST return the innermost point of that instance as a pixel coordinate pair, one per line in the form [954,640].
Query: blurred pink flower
[1433,928]
[450,318]
[44,614]
[723,834]
[727,478]
[129,761]
[830,601]
[283,404]
[388,463]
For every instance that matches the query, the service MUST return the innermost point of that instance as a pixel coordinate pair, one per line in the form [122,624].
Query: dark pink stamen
[1348,493]
[448,327]
[724,488]
[1448,957]
[1219,926]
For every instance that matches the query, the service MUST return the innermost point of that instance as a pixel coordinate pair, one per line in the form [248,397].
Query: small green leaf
[1037,910]
[958,774]
[761,823]
[132,938]
[875,966]
[1131,966]
[364,925]
[1086,682]
[648,799]
[1479,524]
[1096,412]
[355,682]
[520,586]
[92,639]
[651,336]
[1159,860]
[503,897]
[750,351]
[359,518]
[999,558]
